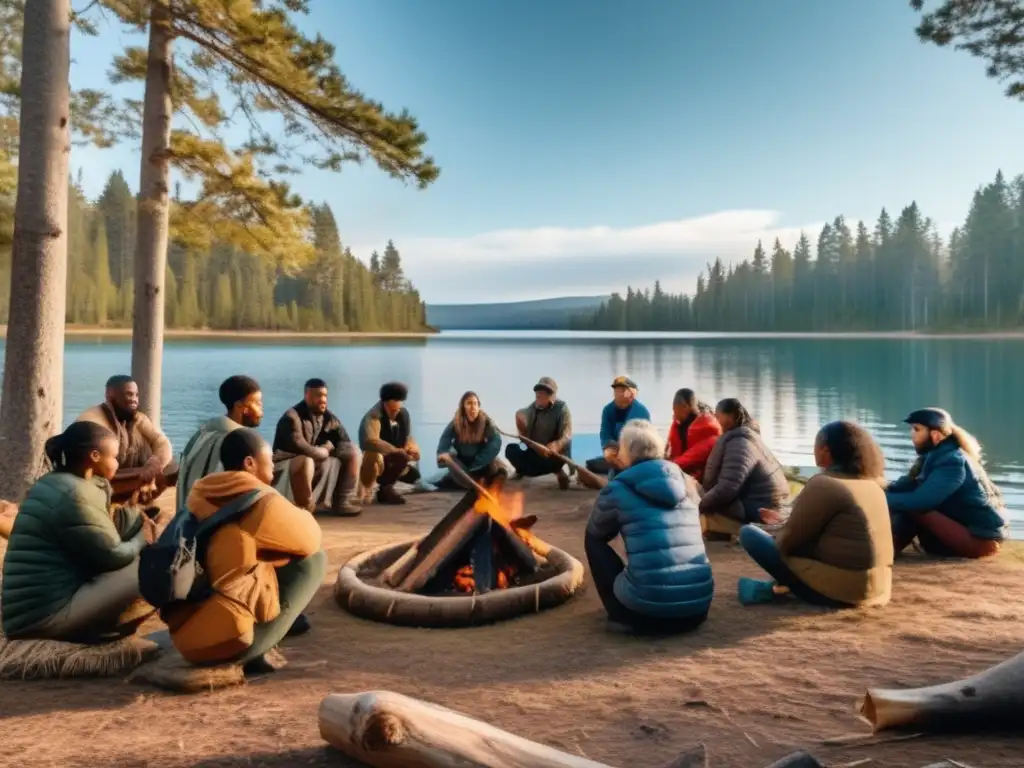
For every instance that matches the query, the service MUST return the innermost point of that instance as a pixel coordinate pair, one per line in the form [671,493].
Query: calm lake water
[791,385]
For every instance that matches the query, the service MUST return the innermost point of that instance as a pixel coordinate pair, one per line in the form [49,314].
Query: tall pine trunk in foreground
[32,398]
[153,216]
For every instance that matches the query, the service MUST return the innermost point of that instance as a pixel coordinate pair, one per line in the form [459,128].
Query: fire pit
[480,564]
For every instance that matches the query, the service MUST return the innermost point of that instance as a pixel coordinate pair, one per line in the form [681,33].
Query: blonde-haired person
[946,500]
[665,585]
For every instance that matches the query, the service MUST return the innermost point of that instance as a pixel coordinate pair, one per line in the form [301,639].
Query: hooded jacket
[692,454]
[667,572]
[240,563]
[201,456]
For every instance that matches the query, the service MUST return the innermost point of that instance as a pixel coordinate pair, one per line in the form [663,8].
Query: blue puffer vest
[668,574]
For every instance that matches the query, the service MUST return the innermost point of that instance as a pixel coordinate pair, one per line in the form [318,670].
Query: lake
[791,385]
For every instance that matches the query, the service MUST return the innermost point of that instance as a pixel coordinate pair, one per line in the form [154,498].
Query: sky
[590,144]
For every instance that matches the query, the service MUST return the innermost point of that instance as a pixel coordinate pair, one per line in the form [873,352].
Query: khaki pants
[98,609]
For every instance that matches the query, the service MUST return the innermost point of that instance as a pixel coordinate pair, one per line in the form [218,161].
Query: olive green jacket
[64,536]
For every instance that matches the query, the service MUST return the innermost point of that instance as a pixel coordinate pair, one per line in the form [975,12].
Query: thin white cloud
[502,265]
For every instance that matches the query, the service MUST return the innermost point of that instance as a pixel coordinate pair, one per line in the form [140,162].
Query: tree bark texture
[33,384]
[153,216]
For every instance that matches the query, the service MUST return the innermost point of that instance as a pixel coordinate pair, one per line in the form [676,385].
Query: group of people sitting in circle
[71,570]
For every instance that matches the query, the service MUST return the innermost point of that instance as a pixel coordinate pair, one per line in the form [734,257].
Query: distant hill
[538,315]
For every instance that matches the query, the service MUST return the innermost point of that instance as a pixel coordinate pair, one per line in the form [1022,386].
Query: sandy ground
[753,684]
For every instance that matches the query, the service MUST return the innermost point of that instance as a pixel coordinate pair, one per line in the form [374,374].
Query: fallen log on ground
[389,730]
[990,698]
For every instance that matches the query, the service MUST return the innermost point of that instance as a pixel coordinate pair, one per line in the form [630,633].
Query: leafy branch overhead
[992,30]
[247,74]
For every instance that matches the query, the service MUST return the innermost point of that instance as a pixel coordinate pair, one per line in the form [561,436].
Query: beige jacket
[138,439]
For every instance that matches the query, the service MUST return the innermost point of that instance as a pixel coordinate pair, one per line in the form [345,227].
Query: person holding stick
[547,423]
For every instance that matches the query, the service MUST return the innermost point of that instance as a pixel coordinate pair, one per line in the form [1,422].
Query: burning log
[989,698]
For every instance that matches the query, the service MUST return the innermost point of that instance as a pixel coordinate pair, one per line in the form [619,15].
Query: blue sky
[575,134]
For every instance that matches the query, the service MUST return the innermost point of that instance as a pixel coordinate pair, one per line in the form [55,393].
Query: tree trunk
[153,217]
[33,398]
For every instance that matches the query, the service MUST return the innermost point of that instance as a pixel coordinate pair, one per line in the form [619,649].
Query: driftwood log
[588,478]
[355,592]
[990,698]
[389,730]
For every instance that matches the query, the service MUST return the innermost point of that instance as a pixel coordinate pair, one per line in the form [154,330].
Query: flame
[504,506]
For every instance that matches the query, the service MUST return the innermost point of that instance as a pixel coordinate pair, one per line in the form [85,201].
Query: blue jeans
[761,547]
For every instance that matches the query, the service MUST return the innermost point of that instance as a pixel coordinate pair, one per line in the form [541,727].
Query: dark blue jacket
[952,483]
[610,427]
[667,573]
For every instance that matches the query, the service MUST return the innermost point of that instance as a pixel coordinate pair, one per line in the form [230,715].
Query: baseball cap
[546,382]
[624,381]
[930,418]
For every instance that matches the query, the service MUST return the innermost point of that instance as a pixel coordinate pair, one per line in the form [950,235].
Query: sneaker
[345,509]
[422,486]
[387,494]
[563,480]
[753,591]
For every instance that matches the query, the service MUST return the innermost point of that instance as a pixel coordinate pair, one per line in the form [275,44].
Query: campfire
[483,544]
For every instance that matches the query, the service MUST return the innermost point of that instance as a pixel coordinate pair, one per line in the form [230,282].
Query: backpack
[170,569]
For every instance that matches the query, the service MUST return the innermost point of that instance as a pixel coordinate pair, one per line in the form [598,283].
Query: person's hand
[552,447]
[443,459]
[543,450]
[149,529]
[329,447]
[413,453]
[149,471]
[769,516]
[611,455]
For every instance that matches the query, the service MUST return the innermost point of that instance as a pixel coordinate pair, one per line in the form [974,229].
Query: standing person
[264,568]
[243,403]
[693,433]
[144,454]
[548,422]
[666,584]
[389,450]
[623,408]
[743,481]
[946,500]
[473,442]
[71,571]
[835,548]
[316,462]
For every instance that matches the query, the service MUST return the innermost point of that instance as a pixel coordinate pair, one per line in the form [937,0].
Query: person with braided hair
[71,569]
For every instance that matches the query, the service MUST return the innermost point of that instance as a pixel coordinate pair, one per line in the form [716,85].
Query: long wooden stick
[588,477]
[455,468]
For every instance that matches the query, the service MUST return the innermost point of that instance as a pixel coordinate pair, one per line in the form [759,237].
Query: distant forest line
[897,276]
[225,288]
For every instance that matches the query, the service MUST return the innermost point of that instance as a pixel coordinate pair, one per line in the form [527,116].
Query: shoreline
[198,333]
[84,331]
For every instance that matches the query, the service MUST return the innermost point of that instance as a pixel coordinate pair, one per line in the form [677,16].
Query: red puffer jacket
[701,437]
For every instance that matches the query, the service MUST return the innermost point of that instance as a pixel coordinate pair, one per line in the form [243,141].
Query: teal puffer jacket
[63,537]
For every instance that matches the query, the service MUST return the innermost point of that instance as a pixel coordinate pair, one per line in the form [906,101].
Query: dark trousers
[762,549]
[297,584]
[528,463]
[599,466]
[939,535]
[397,467]
[605,565]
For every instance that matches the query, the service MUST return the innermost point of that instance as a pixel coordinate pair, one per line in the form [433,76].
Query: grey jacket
[742,467]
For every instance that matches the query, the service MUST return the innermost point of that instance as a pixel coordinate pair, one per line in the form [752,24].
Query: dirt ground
[753,684]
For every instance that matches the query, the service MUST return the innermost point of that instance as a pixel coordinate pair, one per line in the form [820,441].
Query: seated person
[243,402]
[147,466]
[623,407]
[947,500]
[473,442]
[385,437]
[315,461]
[72,564]
[743,481]
[666,583]
[265,568]
[545,421]
[835,548]
[693,433]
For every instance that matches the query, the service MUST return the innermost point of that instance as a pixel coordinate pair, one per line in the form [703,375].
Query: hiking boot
[269,662]
[563,480]
[387,494]
[344,509]
[300,626]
